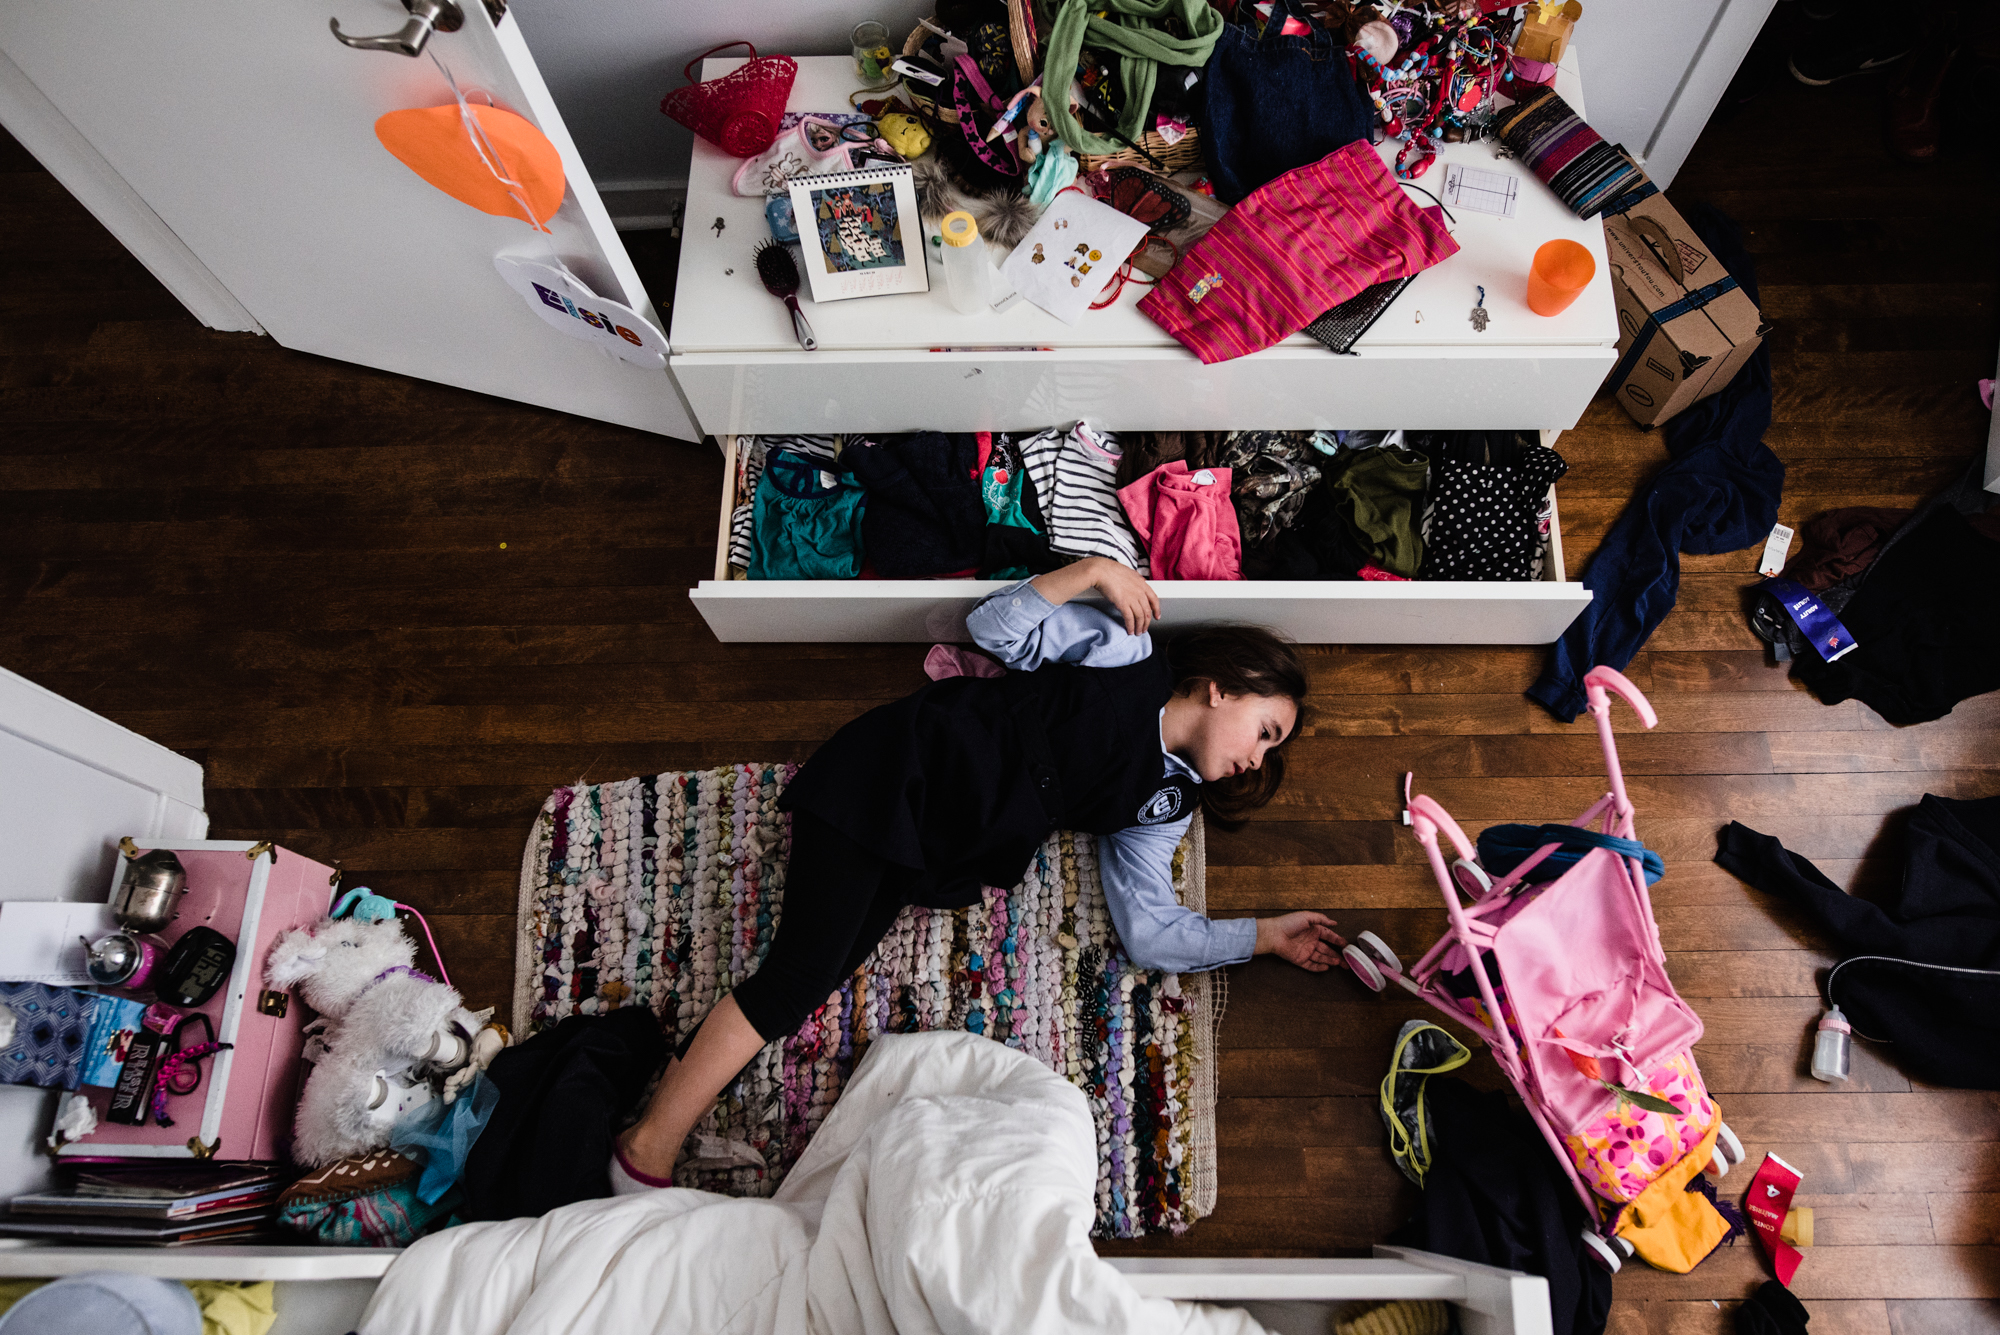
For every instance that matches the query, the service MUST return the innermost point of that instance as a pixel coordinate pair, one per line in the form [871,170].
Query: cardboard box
[1546,39]
[1684,326]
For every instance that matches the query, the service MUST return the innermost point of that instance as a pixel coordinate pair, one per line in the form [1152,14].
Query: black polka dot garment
[1483,516]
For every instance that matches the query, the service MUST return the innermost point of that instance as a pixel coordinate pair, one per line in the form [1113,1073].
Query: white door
[71,782]
[237,137]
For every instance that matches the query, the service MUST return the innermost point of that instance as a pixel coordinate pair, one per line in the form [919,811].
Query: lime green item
[13,1290]
[231,1307]
[1422,1050]
[1128,31]
[228,1307]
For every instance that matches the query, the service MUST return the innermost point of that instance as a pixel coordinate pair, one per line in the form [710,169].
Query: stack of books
[160,1205]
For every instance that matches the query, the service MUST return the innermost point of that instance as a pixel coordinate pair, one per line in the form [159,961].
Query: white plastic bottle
[1830,1047]
[967,271]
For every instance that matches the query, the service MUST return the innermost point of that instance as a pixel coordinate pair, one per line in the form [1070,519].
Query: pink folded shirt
[1188,524]
[1294,249]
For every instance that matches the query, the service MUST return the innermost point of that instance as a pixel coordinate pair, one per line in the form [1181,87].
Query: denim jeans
[1270,103]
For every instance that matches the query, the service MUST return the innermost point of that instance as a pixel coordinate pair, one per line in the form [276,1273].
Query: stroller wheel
[1602,1252]
[1364,968]
[1471,878]
[1731,1147]
[1379,948]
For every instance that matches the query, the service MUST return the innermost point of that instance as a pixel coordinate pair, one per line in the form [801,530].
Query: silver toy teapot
[152,887]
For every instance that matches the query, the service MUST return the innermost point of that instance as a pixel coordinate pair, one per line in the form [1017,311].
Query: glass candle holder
[872,55]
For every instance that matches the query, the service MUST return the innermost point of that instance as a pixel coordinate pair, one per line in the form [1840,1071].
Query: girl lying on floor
[926,800]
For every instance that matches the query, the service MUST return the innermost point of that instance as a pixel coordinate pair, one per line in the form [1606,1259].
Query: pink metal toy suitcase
[243,1107]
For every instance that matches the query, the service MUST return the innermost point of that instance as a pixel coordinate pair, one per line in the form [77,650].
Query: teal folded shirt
[1000,488]
[802,528]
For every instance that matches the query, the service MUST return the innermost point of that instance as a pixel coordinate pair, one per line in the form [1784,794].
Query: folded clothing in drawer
[1290,505]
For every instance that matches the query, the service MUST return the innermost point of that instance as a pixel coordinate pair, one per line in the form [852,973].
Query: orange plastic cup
[1560,271]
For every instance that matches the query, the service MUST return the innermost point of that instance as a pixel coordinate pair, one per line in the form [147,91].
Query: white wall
[609,62]
[1654,71]
[72,782]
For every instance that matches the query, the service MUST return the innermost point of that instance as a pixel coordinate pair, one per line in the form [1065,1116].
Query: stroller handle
[1600,680]
[1427,817]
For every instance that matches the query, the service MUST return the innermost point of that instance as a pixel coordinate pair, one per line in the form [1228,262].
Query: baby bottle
[1829,1059]
[966,269]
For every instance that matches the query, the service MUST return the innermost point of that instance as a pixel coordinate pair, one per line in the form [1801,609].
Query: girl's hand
[1127,592]
[1305,938]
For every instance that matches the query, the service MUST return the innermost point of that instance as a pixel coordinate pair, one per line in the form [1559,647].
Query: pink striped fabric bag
[1293,249]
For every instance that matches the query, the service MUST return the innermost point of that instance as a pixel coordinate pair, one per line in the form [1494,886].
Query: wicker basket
[1020,28]
[1180,157]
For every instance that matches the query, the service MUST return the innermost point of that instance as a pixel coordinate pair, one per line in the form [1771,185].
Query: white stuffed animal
[384,1031]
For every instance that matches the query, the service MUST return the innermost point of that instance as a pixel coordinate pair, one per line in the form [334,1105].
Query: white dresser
[743,372]
[1423,365]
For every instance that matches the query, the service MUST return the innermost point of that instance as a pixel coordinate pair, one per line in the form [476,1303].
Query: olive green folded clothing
[1382,491]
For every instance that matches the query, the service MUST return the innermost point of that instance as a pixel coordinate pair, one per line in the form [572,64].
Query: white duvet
[950,1190]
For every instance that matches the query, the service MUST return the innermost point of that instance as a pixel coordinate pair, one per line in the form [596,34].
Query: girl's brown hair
[1241,660]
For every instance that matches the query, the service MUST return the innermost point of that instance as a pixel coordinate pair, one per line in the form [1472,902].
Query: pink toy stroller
[1587,1017]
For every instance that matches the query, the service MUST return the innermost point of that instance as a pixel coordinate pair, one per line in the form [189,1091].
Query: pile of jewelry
[1431,68]
[664,891]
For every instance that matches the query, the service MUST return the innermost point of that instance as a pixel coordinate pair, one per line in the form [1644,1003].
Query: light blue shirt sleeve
[1025,630]
[1136,866]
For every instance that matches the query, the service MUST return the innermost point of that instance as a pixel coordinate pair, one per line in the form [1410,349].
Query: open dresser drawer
[1308,1297]
[1309,612]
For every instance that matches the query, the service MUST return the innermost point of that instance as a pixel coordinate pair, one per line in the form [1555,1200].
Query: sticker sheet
[1064,262]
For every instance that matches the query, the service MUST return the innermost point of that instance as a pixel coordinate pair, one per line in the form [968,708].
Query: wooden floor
[388,617]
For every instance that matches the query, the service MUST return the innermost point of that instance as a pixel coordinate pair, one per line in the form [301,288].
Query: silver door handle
[426,17]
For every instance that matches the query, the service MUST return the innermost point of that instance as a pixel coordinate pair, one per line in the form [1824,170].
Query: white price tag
[1775,547]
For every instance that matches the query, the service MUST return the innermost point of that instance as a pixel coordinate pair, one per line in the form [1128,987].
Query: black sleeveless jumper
[962,781]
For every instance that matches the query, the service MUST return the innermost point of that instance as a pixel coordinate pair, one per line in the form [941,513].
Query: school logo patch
[1163,806]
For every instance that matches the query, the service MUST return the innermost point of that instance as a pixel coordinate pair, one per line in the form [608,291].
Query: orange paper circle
[435,144]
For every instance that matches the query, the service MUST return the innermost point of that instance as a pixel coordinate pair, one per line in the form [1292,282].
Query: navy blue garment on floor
[1718,493]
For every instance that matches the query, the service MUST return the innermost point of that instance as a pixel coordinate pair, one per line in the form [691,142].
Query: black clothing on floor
[1719,493]
[1923,966]
[839,901]
[1772,1310]
[1495,1194]
[1926,625]
[925,515]
[562,1095]
[963,780]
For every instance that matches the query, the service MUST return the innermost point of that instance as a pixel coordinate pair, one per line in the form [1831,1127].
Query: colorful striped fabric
[1296,247]
[664,890]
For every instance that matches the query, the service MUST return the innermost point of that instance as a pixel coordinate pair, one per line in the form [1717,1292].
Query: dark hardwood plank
[294,571]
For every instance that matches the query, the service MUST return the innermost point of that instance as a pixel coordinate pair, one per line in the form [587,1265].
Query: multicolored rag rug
[664,890]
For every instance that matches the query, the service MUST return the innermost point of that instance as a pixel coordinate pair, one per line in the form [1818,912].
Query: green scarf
[1141,49]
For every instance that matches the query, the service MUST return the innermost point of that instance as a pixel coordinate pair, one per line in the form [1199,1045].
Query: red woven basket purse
[738,112]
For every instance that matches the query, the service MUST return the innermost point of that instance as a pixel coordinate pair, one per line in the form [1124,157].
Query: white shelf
[21,1259]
